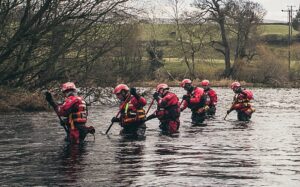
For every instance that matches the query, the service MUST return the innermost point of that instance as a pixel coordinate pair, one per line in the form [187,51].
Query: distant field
[163,32]
[276,29]
[166,35]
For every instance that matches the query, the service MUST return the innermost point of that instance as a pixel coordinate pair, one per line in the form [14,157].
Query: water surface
[263,152]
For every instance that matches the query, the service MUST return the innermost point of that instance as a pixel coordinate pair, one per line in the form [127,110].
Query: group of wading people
[200,100]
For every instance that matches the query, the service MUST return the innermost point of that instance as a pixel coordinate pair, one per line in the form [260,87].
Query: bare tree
[215,11]
[243,20]
[38,37]
[237,20]
[190,36]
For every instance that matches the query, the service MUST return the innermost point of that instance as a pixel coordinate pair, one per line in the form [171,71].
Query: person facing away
[132,118]
[211,98]
[195,99]
[75,111]
[168,109]
[241,102]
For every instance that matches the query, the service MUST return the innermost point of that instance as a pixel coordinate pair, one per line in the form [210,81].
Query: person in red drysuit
[241,102]
[211,98]
[132,118]
[168,109]
[75,111]
[195,99]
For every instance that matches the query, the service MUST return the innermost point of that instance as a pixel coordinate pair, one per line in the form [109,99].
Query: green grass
[276,29]
[162,32]
[177,67]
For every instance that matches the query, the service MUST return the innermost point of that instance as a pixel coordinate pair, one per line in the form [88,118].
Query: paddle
[125,102]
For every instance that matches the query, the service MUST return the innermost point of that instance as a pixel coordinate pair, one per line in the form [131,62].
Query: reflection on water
[262,152]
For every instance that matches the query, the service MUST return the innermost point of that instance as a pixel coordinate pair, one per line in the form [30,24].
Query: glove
[115,119]
[206,108]
[62,123]
[49,99]
[228,111]
[155,95]
[186,97]
[91,130]
[133,92]
[152,116]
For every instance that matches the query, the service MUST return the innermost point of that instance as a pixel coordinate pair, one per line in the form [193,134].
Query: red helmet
[162,86]
[205,83]
[185,81]
[120,87]
[68,86]
[235,85]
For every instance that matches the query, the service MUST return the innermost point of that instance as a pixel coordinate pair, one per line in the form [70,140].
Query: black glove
[62,123]
[91,130]
[152,116]
[133,92]
[49,99]
[115,119]
[186,97]
[228,111]
[155,95]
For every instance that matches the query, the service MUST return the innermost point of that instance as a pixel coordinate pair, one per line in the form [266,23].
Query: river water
[263,152]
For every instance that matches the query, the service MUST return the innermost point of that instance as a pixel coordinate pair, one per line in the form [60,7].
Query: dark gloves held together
[133,92]
[115,119]
[49,99]
[186,97]
[155,95]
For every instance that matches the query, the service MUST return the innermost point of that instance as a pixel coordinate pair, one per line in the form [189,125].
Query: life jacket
[211,99]
[242,102]
[243,97]
[168,107]
[133,111]
[197,99]
[74,108]
[80,116]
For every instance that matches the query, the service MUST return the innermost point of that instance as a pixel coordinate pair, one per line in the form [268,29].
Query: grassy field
[165,32]
[276,29]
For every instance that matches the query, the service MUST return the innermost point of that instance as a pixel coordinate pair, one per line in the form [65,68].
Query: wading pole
[125,102]
[62,123]
[234,101]
[150,106]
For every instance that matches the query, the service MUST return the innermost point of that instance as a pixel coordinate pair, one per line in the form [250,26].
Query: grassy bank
[20,100]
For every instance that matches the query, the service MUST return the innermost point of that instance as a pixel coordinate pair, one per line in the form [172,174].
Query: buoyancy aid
[133,111]
[211,99]
[197,99]
[168,107]
[74,108]
[242,102]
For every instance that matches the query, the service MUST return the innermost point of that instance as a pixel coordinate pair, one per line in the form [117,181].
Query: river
[263,152]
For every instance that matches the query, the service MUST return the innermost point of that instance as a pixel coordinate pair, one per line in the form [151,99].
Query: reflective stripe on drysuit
[74,108]
[133,111]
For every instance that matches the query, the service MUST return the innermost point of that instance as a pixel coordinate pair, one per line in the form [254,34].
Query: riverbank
[21,100]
